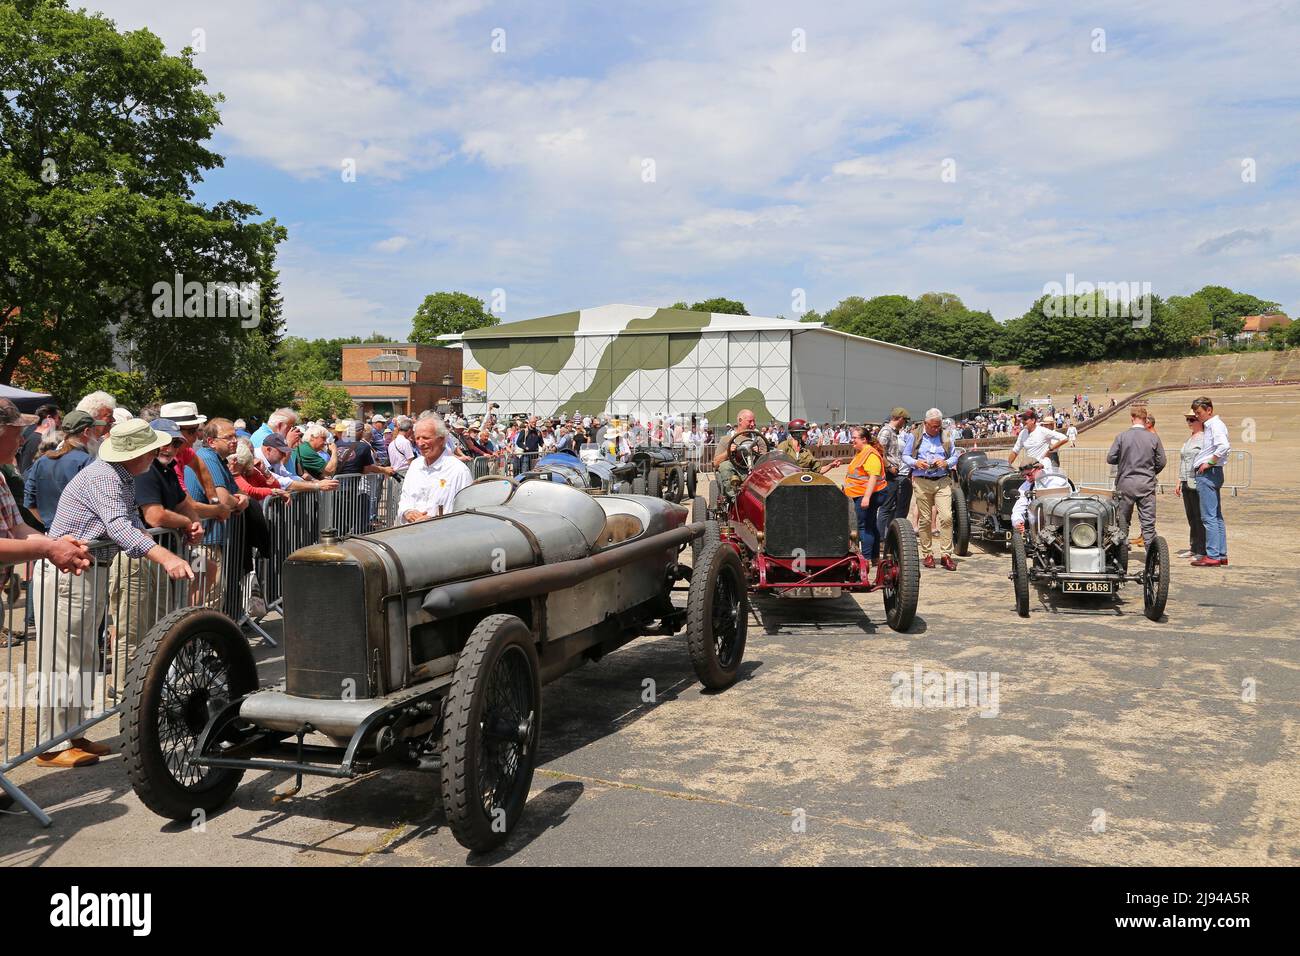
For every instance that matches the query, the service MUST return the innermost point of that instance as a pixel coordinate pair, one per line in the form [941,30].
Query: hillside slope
[1120,378]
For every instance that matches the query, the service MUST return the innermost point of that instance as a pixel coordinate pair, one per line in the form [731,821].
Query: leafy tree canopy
[445,313]
[102,139]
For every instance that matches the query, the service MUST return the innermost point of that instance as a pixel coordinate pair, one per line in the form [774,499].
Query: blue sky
[775,168]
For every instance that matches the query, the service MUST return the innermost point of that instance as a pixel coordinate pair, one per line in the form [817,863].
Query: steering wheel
[746,448]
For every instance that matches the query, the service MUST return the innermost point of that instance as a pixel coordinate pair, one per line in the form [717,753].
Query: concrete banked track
[1000,441]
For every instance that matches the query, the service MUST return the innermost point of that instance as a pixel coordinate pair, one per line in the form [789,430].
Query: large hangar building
[643,361]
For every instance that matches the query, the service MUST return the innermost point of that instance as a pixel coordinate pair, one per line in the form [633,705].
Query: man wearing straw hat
[99,503]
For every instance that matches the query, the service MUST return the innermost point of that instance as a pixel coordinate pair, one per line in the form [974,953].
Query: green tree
[101,142]
[444,313]
[999,383]
[725,306]
[303,361]
[318,400]
[1227,308]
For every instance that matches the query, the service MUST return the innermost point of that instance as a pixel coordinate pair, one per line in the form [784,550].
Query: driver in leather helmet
[795,446]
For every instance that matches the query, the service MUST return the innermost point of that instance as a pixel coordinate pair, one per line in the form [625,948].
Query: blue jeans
[888,497]
[1208,484]
[867,516]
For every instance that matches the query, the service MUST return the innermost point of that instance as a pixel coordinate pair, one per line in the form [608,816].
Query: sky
[564,156]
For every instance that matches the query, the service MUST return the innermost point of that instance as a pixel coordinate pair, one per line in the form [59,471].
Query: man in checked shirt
[99,503]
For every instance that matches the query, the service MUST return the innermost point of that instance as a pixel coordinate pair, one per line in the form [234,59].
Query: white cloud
[772,168]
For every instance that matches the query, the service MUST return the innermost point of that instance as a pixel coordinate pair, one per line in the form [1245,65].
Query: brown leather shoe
[1223,562]
[928,562]
[90,747]
[72,757]
[949,563]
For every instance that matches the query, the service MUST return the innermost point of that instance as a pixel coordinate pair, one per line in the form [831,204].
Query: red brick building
[401,378]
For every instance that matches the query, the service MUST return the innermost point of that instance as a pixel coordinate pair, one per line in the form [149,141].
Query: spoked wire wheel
[902,574]
[192,663]
[195,678]
[508,728]
[1155,580]
[492,718]
[717,614]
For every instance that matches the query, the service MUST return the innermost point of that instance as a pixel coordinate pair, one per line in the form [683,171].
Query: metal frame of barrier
[66,674]
[1088,466]
[122,598]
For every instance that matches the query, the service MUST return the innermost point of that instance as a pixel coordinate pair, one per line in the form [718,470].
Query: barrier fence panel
[518,464]
[69,638]
[486,465]
[68,647]
[1088,466]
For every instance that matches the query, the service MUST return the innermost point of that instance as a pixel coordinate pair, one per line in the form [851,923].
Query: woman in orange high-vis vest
[864,482]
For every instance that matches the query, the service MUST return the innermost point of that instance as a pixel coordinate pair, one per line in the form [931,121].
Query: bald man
[728,477]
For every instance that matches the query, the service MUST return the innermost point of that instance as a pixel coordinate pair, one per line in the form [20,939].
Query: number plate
[1088,587]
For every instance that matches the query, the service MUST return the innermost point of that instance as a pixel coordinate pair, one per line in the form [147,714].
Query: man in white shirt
[1039,476]
[401,451]
[1207,470]
[1036,441]
[1072,433]
[434,476]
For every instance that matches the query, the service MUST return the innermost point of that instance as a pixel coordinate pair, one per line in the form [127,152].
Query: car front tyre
[1020,573]
[491,724]
[902,560]
[1155,580]
[717,614]
[190,664]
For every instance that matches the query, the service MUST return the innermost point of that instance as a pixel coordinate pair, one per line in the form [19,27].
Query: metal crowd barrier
[486,465]
[1088,466]
[70,641]
[68,649]
[517,464]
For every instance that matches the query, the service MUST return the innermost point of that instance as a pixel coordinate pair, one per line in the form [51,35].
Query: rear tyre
[190,664]
[1155,582]
[1122,556]
[711,493]
[692,477]
[960,522]
[491,720]
[623,488]
[902,594]
[1020,573]
[673,490]
[717,615]
[638,485]
[710,535]
[655,483]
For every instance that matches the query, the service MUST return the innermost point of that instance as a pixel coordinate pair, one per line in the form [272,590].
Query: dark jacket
[1140,457]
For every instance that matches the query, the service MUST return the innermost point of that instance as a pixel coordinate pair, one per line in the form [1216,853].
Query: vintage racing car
[597,474]
[425,646]
[982,498]
[795,534]
[663,473]
[1074,544]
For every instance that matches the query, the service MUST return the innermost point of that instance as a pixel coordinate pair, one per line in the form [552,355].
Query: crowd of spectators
[83,488]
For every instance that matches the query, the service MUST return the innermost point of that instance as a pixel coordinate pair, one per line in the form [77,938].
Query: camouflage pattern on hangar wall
[638,361]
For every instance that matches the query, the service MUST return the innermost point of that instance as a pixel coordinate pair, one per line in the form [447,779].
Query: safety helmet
[798,425]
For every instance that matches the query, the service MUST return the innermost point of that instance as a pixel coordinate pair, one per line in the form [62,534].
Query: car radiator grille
[325,641]
[814,518]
